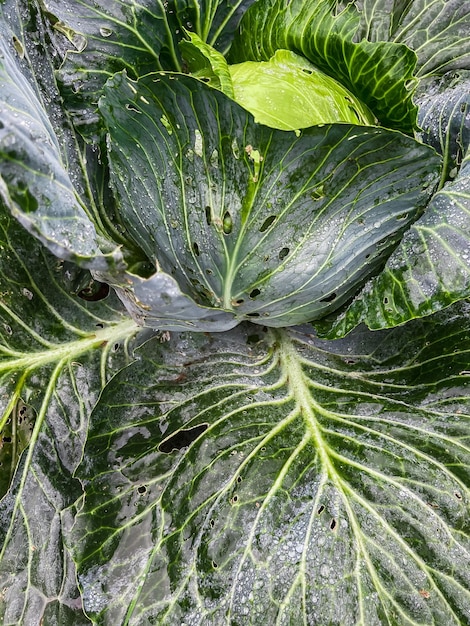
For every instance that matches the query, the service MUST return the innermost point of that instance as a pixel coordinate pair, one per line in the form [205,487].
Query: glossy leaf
[428,271]
[444,117]
[268,477]
[36,178]
[206,63]
[265,224]
[437,30]
[106,36]
[215,21]
[378,73]
[288,92]
[57,350]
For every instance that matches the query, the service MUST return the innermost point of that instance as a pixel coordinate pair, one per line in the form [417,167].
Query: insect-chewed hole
[227,223]
[267,223]
[333,524]
[94,292]
[208,215]
[320,509]
[329,298]
[182,438]
[252,314]
[356,114]
[195,248]
[255,292]
[283,253]
[142,489]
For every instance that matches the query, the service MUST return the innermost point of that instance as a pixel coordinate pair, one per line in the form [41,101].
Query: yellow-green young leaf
[288,92]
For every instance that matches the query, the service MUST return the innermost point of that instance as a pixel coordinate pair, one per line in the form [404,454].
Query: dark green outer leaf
[444,116]
[428,271]
[215,21]
[437,30]
[35,177]
[56,352]
[108,36]
[283,241]
[324,482]
[378,73]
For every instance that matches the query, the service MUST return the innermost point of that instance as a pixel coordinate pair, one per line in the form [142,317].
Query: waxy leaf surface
[268,477]
[261,223]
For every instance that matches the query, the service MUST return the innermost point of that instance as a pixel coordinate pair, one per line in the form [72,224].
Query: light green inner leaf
[288,92]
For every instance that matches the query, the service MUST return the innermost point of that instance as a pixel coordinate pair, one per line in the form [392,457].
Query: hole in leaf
[333,524]
[94,292]
[254,293]
[329,298]
[23,196]
[2,125]
[251,339]
[283,253]
[6,439]
[267,223]
[18,46]
[196,248]
[208,215]
[239,479]
[320,510]
[463,107]
[212,523]
[142,489]
[234,500]
[356,114]
[385,300]
[227,223]
[458,495]
[252,314]
[208,271]
[182,438]
[214,565]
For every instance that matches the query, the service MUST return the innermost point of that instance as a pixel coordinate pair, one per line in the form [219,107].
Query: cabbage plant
[234,334]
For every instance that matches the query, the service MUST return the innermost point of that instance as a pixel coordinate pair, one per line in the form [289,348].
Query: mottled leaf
[37,182]
[267,477]
[261,223]
[428,271]
[58,348]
